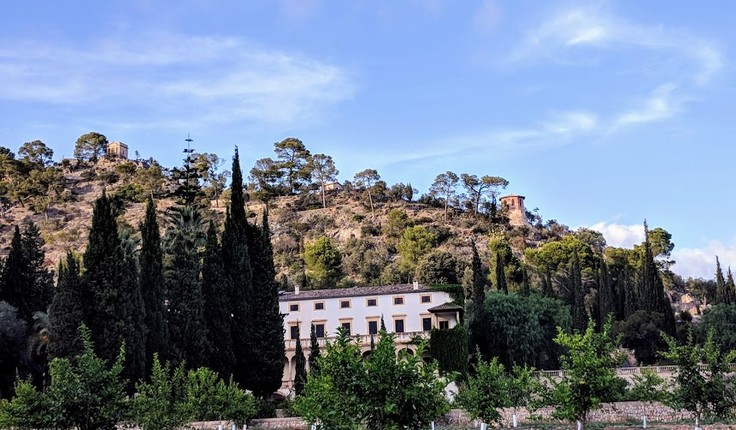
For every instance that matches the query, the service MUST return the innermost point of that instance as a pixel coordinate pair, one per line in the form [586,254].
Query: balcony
[364,339]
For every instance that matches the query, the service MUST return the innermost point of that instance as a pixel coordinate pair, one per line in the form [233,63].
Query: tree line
[196,296]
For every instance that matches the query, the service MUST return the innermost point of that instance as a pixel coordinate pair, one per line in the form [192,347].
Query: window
[319,330]
[399,326]
[427,323]
[399,300]
[344,304]
[318,306]
[372,302]
[444,325]
[372,327]
[346,325]
[427,299]
[294,307]
[294,332]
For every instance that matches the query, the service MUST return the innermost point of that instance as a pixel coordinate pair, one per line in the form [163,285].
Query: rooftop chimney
[296,289]
[416,285]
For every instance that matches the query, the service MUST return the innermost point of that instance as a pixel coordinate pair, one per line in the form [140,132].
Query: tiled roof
[445,307]
[353,292]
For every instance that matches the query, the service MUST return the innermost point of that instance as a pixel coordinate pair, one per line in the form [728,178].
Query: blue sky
[602,113]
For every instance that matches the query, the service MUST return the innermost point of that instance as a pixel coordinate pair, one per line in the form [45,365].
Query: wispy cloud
[202,79]
[657,106]
[563,35]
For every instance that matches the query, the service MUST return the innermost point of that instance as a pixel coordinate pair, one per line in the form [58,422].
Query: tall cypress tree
[187,329]
[479,280]
[651,289]
[152,286]
[133,311]
[500,274]
[236,261]
[41,281]
[66,313]
[101,294]
[314,351]
[579,317]
[15,282]
[220,357]
[730,287]
[605,303]
[267,330]
[722,294]
[300,371]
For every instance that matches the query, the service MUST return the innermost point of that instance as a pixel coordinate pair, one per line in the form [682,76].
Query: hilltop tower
[513,207]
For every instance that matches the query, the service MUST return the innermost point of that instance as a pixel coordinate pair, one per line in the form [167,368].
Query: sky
[602,113]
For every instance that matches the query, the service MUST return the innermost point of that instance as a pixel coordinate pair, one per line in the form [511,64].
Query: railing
[628,371]
[364,339]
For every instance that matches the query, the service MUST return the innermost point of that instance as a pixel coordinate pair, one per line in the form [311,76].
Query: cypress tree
[15,281]
[101,293]
[579,317]
[267,330]
[66,313]
[721,287]
[187,329]
[383,325]
[313,352]
[236,261]
[152,286]
[479,280]
[300,371]
[605,294]
[730,287]
[651,289]
[220,357]
[500,274]
[133,312]
[40,279]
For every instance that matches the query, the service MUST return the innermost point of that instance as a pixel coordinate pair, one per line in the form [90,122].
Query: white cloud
[195,79]
[620,236]
[697,262]
[701,262]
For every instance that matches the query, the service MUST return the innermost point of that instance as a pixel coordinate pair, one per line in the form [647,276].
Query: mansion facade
[408,310]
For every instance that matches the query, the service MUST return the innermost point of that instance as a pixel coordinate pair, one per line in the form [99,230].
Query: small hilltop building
[117,150]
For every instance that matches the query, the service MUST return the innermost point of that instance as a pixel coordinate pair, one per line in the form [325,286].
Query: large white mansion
[409,310]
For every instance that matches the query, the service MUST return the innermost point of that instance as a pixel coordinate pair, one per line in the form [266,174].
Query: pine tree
[300,371]
[152,286]
[500,274]
[479,279]
[267,332]
[66,313]
[579,317]
[236,261]
[187,329]
[526,286]
[101,294]
[313,352]
[133,311]
[220,357]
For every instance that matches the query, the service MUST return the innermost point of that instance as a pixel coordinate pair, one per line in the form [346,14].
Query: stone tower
[513,207]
